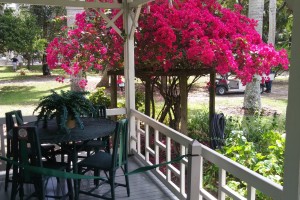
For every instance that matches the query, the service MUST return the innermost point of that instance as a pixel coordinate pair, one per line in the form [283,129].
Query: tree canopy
[19,33]
[8,31]
[192,34]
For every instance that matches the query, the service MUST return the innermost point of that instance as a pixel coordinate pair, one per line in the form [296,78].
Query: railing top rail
[256,180]
[175,135]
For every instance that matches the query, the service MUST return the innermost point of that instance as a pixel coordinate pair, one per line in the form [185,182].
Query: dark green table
[93,128]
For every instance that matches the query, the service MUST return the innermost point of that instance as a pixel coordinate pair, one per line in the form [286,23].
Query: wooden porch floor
[142,187]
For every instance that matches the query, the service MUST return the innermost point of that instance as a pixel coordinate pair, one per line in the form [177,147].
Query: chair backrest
[27,151]
[120,145]
[12,118]
[100,111]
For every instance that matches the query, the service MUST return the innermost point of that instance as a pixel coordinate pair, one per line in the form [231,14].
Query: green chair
[27,151]
[12,119]
[109,163]
[99,143]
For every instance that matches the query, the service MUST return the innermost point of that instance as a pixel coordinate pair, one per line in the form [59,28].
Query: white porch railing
[153,139]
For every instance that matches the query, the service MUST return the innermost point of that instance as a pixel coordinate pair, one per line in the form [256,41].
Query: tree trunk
[183,104]
[272,22]
[256,11]
[104,80]
[75,82]
[71,13]
[147,96]
[152,100]
[29,60]
[113,91]
[212,99]
[252,100]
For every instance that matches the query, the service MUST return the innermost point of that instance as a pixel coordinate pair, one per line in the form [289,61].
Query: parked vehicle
[230,85]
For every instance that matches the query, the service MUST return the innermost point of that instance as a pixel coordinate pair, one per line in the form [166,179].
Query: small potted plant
[65,106]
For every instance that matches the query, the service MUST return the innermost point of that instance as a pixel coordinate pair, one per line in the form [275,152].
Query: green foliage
[256,142]
[100,98]
[264,156]
[9,32]
[255,126]
[66,104]
[198,126]
[47,19]
[19,33]
[139,101]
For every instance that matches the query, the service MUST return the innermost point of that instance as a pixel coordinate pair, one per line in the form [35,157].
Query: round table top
[93,128]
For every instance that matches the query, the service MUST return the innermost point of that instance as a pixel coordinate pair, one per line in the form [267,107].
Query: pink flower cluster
[200,34]
[192,34]
[77,50]
[60,79]
[82,83]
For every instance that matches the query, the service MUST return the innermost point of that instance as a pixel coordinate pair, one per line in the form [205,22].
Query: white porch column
[129,66]
[291,187]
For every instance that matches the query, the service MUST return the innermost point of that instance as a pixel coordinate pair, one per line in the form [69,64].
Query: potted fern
[65,106]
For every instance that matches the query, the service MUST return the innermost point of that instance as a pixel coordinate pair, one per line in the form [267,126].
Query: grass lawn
[24,91]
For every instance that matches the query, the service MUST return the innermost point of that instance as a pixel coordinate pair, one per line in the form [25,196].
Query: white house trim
[291,187]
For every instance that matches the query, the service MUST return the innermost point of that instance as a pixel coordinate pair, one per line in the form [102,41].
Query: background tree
[2,8]
[272,22]
[28,38]
[284,20]
[48,19]
[15,34]
[8,31]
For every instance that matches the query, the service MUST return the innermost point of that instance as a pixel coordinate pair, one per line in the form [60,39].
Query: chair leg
[21,191]
[79,182]
[70,188]
[8,167]
[39,187]
[14,190]
[127,179]
[112,184]
[96,173]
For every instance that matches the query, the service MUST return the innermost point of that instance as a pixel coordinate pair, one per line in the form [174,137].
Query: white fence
[153,140]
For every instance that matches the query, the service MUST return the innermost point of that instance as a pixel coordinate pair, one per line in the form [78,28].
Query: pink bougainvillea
[191,34]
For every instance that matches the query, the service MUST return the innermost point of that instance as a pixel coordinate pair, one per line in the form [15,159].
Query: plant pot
[71,123]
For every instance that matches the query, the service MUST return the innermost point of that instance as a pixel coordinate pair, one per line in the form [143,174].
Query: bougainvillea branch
[192,34]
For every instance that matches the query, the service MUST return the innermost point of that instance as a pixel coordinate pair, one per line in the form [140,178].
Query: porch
[190,185]
[153,143]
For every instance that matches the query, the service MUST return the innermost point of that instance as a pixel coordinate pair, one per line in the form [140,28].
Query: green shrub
[100,98]
[256,142]
[140,101]
[198,127]
[265,157]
